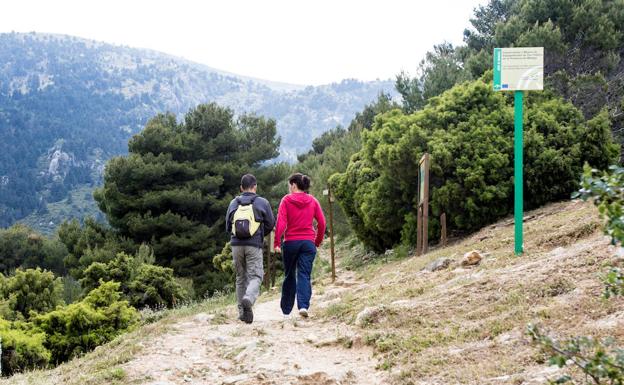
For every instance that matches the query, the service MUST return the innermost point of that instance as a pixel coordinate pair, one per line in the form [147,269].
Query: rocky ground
[205,349]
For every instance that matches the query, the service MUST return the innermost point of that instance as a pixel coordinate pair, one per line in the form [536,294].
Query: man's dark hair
[248,181]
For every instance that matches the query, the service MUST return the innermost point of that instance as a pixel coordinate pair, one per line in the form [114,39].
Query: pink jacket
[295,214]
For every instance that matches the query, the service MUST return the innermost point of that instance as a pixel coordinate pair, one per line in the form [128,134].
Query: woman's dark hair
[302,181]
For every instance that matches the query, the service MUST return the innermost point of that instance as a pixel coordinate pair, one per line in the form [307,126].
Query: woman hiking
[295,217]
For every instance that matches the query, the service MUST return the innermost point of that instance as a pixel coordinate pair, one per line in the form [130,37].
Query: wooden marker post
[330,200]
[418,231]
[270,264]
[443,239]
[266,280]
[423,206]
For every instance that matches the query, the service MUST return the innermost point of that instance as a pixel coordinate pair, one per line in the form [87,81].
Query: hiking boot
[303,312]
[247,316]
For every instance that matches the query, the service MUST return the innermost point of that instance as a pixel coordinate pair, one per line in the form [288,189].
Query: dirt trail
[199,350]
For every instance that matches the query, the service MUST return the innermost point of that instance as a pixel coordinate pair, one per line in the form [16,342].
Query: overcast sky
[294,41]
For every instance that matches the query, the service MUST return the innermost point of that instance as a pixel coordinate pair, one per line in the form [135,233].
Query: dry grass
[467,326]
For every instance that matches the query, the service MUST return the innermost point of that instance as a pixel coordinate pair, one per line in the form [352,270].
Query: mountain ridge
[274,84]
[91,97]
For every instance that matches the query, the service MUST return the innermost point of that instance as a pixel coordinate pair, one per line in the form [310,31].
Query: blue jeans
[298,258]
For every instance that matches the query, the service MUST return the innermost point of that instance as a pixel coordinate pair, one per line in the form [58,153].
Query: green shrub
[120,269]
[606,189]
[144,284]
[224,260]
[80,327]
[600,361]
[22,348]
[614,283]
[155,285]
[468,131]
[32,290]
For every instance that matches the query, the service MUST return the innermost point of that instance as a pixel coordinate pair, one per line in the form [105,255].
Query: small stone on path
[203,318]
[439,264]
[368,315]
[472,258]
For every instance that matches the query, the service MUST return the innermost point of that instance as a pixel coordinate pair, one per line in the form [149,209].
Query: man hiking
[249,218]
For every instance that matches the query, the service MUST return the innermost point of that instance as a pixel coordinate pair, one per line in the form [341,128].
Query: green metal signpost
[518,70]
[518,171]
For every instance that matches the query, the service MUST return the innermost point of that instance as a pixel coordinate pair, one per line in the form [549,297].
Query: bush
[144,284]
[224,260]
[32,290]
[614,283]
[599,360]
[82,326]
[120,269]
[22,348]
[155,285]
[468,131]
[606,189]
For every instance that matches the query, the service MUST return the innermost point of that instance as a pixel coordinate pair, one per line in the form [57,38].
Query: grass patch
[465,325]
[116,374]
[340,310]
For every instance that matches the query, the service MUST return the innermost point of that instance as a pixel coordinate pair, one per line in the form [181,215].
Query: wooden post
[419,231]
[270,265]
[273,271]
[422,245]
[266,280]
[330,200]
[443,239]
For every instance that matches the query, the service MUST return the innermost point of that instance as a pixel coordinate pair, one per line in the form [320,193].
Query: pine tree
[173,189]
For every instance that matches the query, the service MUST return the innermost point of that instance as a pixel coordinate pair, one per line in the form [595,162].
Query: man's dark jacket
[262,212]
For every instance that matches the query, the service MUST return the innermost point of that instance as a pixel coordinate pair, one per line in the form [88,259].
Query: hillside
[461,325]
[67,105]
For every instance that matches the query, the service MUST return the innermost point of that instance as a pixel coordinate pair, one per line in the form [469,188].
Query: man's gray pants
[249,273]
